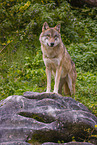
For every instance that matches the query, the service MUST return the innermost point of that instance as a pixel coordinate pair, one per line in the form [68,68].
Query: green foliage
[86,91]
[30,15]
[84,55]
[21,64]
[22,79]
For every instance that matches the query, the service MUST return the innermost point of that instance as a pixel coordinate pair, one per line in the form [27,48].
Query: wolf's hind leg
[62,81]
[63,84]
[69,84]
[66,89]
[73,87]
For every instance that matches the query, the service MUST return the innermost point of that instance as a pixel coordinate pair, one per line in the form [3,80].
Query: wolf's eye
[55,37]
[47,35]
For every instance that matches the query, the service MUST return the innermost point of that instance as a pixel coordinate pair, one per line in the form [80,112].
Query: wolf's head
[50,37]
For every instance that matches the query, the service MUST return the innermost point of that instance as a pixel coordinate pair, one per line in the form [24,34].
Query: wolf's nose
[52,44]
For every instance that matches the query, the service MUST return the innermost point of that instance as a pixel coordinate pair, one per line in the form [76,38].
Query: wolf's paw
[55,91]
[47,91]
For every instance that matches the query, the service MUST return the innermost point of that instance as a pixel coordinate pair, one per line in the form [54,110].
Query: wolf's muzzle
[51,44]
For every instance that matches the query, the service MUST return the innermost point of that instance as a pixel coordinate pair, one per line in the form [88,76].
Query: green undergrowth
[21,63]
[28,74]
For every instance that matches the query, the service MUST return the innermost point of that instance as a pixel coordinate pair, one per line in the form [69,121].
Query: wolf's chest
[52,63]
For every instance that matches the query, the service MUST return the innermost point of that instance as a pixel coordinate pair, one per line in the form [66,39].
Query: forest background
[21,64]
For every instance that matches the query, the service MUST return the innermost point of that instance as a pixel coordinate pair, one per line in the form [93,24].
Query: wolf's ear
[57,27]
[45,26]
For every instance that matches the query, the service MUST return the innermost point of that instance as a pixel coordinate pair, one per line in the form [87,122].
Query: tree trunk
[79,3]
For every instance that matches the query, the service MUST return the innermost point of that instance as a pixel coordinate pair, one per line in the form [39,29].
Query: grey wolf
[57,61]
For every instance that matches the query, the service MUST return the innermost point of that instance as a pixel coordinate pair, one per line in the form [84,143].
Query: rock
[44,117]
[79,3]
[14,143]
[70,143]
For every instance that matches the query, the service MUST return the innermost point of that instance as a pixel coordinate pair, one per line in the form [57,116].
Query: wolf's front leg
[48,73]
[57,79]
[69,82]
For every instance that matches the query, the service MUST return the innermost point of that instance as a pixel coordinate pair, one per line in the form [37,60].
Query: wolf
[57,61]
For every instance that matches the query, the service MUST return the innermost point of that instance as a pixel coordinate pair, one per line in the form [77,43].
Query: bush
[22,79]
[84,55]
[25,17]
